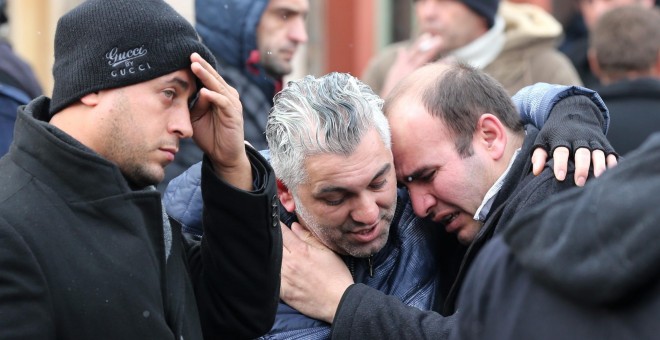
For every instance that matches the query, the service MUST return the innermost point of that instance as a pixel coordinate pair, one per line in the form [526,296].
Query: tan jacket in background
[529,55]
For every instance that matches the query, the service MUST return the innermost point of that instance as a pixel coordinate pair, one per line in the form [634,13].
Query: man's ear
[91,99]
[491,135]
[286,197]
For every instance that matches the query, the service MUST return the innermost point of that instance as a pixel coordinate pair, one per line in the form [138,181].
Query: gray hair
[312,116]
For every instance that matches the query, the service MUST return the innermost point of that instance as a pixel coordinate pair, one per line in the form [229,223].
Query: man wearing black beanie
[514,43]
[87,251]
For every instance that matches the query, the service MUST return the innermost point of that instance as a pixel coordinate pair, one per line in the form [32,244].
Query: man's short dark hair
[461,95]
[626,39]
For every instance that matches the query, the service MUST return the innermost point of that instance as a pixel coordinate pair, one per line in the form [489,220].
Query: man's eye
[284,15]
[428,177]
[334,202]
[169,93]
[378,185]
[423,178]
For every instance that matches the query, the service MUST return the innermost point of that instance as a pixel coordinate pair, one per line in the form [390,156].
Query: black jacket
[83,256]
[583,265]
[634,111]
[368,314]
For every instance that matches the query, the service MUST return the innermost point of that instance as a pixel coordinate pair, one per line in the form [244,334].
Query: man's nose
[298,31]
[427,10]
[422,202]
[180,123]
[366,211]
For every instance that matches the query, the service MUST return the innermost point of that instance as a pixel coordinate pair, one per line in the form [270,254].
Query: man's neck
[489,198]
[482,51]
[501,170]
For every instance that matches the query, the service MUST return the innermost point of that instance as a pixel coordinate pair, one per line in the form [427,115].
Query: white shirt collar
[487,203]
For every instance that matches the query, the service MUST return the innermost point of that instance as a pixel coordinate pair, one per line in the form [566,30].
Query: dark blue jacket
[10,99]
[229,29]
[15,72]
[18,86]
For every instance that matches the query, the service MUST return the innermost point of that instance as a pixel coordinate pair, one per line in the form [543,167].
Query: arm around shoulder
[366,313]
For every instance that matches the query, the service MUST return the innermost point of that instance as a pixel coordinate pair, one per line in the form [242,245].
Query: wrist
[333,307]
[238,175]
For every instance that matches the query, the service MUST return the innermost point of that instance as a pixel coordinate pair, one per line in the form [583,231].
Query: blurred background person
[18,84]
[589,12]
[547,5]
[515,43]
[624,53]
[254,43]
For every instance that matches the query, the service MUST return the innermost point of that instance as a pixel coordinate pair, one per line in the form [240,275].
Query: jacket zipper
[371,266]
[351,266]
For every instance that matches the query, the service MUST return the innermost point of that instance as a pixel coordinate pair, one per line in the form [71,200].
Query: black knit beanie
[103,44]
[485,8]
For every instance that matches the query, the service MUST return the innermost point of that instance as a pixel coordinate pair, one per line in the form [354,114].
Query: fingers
[598,160]
[211,79]
[305,235]
[582,164]
[561,155]
[612,161]
[216,96]
[297,238]
[539,157]
[425,49]
[288,237]
[206,73]
[300,231]
[584,158]
[213,85]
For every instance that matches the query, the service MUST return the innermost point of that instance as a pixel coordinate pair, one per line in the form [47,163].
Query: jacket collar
[482,51]
[77,172]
